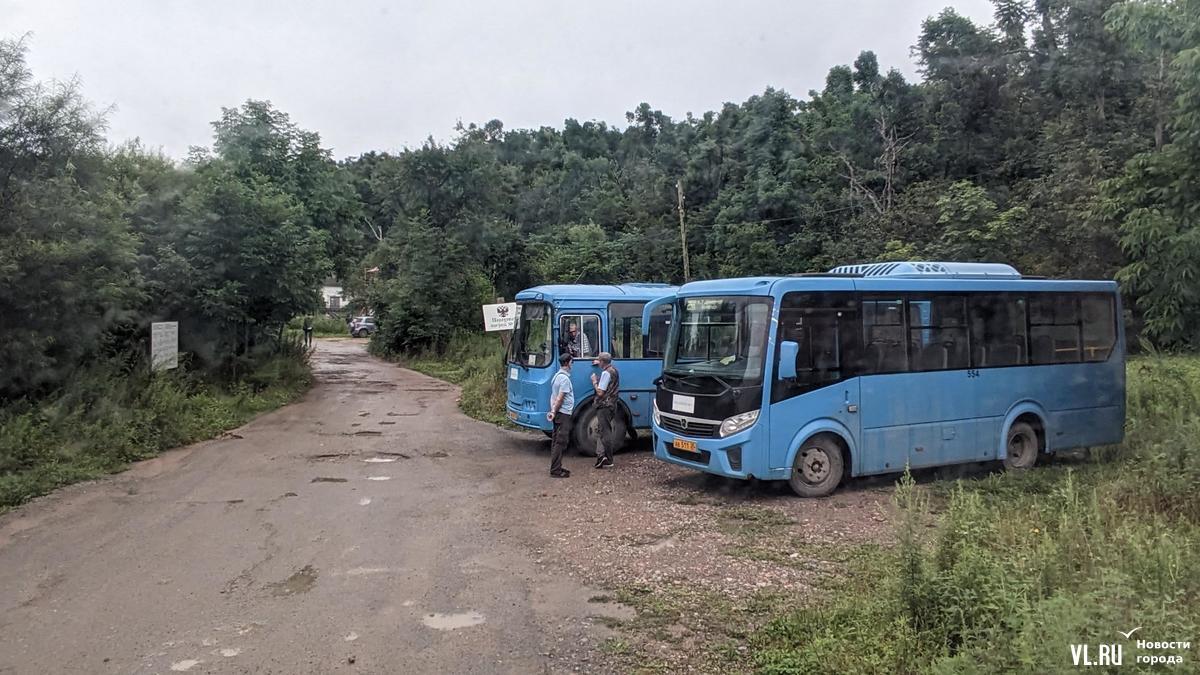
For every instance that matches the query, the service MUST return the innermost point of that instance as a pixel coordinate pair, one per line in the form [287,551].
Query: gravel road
[373,528]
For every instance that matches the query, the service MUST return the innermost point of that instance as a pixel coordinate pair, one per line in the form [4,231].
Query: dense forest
[1064,139]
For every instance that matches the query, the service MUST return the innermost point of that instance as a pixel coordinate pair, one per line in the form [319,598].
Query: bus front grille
[687,427]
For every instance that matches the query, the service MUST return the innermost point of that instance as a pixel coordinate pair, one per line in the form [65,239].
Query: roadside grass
[109,415]
[473,361]
[323,326]
[1019,566]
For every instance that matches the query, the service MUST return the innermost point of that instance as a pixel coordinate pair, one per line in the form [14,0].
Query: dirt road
[368,529]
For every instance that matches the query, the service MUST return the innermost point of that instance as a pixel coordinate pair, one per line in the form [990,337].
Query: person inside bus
[574,342]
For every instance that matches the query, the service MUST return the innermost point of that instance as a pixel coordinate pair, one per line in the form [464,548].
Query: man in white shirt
[562,404]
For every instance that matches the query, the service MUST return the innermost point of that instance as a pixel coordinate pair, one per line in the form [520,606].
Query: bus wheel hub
[815,465]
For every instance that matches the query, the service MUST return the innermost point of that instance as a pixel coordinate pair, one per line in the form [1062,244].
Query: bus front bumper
[720,456]
[530,419]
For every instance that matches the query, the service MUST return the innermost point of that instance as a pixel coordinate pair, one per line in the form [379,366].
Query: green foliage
[1017,567]
[104,417]
[426,289]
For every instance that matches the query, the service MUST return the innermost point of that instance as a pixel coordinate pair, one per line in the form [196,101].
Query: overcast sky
[382,75]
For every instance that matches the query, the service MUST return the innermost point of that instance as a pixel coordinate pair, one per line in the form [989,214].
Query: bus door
[817,338]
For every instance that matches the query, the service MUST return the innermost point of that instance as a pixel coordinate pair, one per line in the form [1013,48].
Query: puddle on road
[437,454]
[302,581]
[184,665]
[364,501]
[328,455]
[379,477]
[368,433]
[378,460]
[452,621]
[230,653]
[327,479]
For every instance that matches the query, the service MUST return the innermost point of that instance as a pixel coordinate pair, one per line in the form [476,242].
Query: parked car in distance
[363,326]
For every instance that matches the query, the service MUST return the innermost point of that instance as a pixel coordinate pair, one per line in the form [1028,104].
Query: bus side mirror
[788,351]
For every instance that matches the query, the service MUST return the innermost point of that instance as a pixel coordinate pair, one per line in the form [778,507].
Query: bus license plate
[688,446]
[512,415]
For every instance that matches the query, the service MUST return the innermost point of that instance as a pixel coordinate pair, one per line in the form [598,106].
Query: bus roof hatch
[930,269]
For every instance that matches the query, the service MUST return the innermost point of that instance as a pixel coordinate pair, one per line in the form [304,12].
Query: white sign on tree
[500,317]
[164,345]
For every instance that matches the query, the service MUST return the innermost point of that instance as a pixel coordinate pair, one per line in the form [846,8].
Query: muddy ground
[373,528]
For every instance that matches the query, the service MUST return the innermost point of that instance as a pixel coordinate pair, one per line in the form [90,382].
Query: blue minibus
[872,368]
[593,318]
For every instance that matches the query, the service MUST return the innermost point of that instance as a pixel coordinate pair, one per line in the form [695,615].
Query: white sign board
[164,345]
[500,317]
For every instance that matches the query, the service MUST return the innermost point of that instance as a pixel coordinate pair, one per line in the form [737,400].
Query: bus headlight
[738,423]
[655,415]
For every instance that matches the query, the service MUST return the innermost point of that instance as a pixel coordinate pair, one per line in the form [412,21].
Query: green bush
[106,416]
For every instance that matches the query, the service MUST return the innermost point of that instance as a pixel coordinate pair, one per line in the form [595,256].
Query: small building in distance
[333,296]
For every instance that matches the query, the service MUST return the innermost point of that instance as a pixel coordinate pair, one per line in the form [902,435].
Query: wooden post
[682,231]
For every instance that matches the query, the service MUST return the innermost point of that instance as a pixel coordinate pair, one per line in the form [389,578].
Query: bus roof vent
[930,269]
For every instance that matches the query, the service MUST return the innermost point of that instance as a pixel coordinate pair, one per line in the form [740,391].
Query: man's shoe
[604,461]
[560,474]
[600,461]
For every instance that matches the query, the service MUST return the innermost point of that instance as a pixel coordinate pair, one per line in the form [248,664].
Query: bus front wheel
[1022,447]
[818,467]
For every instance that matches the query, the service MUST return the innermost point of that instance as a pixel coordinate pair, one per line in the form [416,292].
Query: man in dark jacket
[608,413]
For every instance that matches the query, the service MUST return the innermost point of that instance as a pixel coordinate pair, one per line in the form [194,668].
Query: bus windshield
[723,338]
[531,340]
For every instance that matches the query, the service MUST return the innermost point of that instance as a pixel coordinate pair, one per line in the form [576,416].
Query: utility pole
[682,231]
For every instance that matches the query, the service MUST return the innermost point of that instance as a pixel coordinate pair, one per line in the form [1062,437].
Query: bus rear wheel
[586,432]
[1021,447]
[818,468]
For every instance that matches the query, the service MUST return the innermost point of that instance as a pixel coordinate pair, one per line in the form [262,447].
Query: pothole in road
[327,479]
[452,621]
[301,581]
[367,433]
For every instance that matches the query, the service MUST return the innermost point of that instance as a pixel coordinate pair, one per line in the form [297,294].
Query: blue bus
[603,318]
[872,368]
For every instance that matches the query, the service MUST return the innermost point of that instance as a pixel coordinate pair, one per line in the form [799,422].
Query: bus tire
[585,432]
[1021,447]
[818,468]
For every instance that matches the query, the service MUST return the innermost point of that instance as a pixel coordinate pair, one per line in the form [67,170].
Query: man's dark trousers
[560,440]
[612,429]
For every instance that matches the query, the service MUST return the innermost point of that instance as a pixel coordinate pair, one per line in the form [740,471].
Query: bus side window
[997,330]
[586,344]
[884,346]
[1054,328]
[1099,327]
[824,325]
[938,332]
[660,324]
